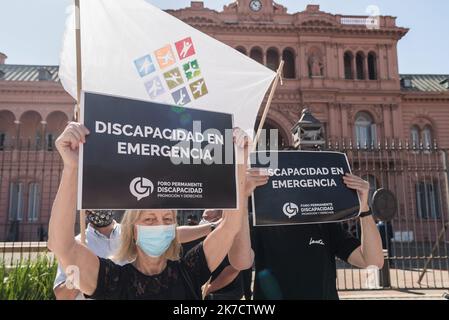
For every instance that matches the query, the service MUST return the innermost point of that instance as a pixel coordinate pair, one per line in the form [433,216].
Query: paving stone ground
[393,295]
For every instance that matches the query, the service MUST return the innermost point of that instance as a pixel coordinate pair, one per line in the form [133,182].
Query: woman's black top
[180,280]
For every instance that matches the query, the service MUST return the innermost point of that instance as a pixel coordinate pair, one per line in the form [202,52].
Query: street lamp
[308,133]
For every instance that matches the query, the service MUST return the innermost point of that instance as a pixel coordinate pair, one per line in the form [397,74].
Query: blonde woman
[148,239]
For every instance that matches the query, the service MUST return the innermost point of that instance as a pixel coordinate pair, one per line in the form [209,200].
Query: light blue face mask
[155,240]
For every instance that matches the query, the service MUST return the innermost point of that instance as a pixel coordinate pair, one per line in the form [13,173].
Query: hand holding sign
[362,188]
[307,187]
[255,177]
[243,143]
[69,141]
[158,156]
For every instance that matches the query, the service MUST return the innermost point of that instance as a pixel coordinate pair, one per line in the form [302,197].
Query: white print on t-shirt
[320,242]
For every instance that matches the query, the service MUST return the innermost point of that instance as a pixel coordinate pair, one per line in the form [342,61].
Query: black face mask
[101,218]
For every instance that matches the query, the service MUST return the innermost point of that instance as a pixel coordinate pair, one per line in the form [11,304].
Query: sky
[31,30]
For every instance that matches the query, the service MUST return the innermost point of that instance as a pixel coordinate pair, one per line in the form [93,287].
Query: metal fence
[29,179]
[416,240]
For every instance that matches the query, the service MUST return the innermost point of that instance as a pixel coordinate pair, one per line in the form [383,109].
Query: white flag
[135,50]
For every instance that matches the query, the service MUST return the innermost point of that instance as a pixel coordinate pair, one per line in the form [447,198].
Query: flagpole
[79,86]
[268,104]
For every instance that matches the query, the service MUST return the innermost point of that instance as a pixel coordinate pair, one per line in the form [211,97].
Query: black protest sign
[144,155]
[304,188]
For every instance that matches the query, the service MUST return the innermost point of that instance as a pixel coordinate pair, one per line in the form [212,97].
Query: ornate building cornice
[426,97]
[310,21]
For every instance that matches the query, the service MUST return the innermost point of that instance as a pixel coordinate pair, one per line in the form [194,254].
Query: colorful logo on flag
[154,87]
[181,97]
[165,57]
[176,73]
[145,65]
[199,88]
[185,48]
[192,69]
[173,78]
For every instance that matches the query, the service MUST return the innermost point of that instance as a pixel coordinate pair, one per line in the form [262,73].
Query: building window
[427,137]
[15,201]
[34,197]
[406,82]
[445,83]
[349,73]
[256,54]
[2,141]
[38,141]
[289,64]
[50,142]
[365,130]
[427,200]
[359,61]
[44,74]
[415,136]
[372,66]
[272,59]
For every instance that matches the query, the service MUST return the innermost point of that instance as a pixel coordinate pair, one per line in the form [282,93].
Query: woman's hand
[362,188]
[68,143]
[243,143]
[255,177]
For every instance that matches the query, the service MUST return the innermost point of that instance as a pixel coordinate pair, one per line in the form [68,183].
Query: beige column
[43,133]
[396,113]
[354,66]
[341,62]
[365,67]
[17,123]
[303,63]
[333,121]
[344,122]
[388,121]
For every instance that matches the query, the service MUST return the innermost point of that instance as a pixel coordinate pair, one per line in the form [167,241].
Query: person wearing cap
[102,238]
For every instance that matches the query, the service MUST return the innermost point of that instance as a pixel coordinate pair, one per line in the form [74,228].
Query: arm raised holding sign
[241,255]
[370,252]
[149,241]
[61,235]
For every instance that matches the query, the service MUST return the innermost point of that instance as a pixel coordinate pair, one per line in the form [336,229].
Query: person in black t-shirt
[225,282]
[148,240]
[297,262]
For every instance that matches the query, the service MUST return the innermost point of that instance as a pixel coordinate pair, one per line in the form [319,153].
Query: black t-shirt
[236,286]
[298,262]
[127,283]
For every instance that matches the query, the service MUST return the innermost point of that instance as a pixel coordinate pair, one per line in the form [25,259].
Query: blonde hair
[127,251]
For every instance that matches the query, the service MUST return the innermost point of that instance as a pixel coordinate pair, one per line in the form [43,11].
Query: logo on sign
[141,188]
[290,209]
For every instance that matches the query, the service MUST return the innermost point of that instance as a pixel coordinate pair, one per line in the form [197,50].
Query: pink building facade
[343,70]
